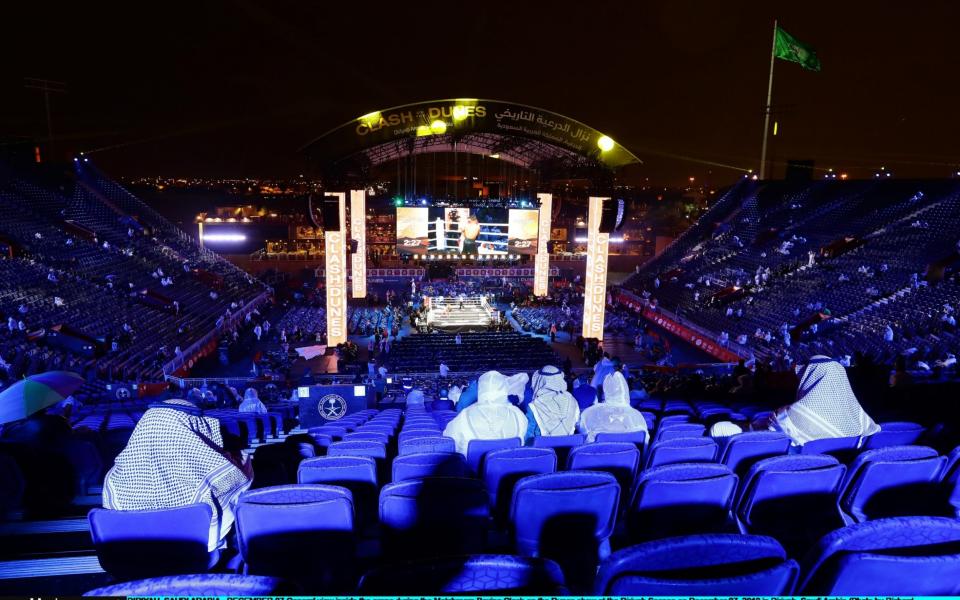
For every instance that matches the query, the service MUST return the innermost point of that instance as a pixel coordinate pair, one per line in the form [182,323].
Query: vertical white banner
[541,276]
[336,276]
[358,231]
[595,289]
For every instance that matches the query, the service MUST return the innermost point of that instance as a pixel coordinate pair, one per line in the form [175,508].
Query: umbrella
[35,393]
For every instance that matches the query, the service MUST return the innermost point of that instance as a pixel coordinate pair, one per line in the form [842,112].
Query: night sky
[235,88]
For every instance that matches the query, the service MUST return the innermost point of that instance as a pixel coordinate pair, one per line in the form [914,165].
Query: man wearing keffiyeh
[176,457]
[553,411]
[825,408]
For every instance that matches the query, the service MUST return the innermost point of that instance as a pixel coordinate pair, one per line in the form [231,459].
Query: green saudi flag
[788,48]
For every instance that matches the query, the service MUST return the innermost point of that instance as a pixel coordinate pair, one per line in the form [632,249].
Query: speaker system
[611,218]
[330,213]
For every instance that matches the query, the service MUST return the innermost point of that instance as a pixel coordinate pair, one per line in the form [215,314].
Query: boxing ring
[460,313]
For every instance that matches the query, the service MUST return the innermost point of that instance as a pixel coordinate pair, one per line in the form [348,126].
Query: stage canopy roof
[523,135]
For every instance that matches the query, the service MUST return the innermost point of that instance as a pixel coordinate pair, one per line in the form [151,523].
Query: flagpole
[766,112]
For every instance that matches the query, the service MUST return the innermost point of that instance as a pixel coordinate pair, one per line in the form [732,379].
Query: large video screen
[469,231]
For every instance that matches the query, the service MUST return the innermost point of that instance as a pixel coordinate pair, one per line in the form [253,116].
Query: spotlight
[605,143]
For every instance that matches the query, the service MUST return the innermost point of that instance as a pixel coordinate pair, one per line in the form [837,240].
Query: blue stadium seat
[681,450]
[895,433]
[356,473]
[669,431]
[323,440]
[438,516]
[843,448]
[561,444]
[742,450]
[681,499]
[894,481]
[135,544]
[950,481]
[409,434]
[335,431]
[206,584]
[792,498]
[912,556]
[699,565]
[302,532]
[503,468]
[369,448]
[419,445]
[476,449]
[638,438]
[429,464]
[620,459]
[501,575]
[566,516]
[367,436]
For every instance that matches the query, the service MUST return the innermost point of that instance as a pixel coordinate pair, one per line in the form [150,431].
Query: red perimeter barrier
[688,335]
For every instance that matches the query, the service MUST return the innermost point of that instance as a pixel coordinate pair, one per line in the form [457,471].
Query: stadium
[467,346]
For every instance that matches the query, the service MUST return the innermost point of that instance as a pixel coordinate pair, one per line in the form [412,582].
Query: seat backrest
[893,556]
[681,499]
[427,444]
[699,565]
[303,532]
[205,584]
[638,438]
[367,436]
[338,470]
[682,450]
[557,441]
[359,474]
[835,446]
[793,484]
[893,481]
[133,544]
[323,440]
[567,516]
[429,464]
[669,431]
[503,468]
[476,449]
[620,459]
[409,434]
[484,573]
[335,431]
[950,480]
[372,427]
[894,433]
[744,449]
[437,516]
[561,444]
[358,448]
